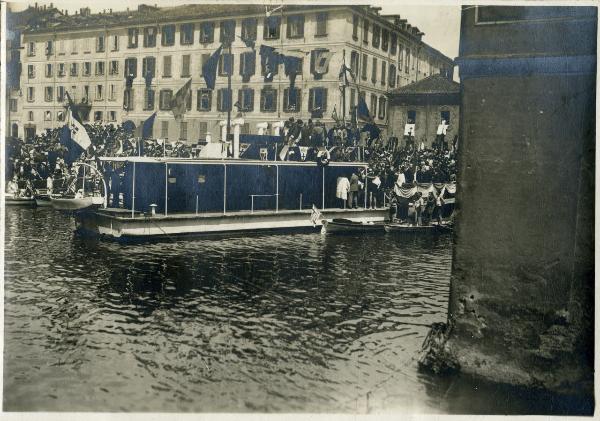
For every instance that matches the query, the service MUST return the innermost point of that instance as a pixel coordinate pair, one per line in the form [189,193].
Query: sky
[441,24]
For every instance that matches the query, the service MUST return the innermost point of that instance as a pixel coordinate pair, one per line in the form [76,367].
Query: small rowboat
[75,203]
[42,200]
[404,228]
[12,200]
[341,225]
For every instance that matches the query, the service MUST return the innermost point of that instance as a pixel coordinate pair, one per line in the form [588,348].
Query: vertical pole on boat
[366,187]
[277,190]
[133,193]
[83,180]
[196,204]
[230,94]
[323,188]
[344,89]
[166,186]
[224,189]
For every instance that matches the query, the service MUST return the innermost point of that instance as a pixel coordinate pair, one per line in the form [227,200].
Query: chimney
[51,5]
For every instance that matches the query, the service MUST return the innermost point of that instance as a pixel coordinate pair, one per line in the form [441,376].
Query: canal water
[268,323]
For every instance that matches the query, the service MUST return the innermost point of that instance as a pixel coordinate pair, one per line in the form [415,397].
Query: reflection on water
[266,323]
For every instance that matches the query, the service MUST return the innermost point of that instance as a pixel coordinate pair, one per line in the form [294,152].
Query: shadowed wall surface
[521,303]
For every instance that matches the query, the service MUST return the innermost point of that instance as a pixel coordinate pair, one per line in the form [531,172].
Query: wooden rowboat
[342,226]
[404,228]
[75,203]
[12,200]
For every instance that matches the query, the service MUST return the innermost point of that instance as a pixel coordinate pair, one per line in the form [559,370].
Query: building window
[352,98]
[407,61]
[13,105]
[373,105]
[86,45]
[31,49]
[317,100]
[383,72]
[411,116]
[271,28]
[128,99]
[150,37]
[30,71]
[74,46]
[186,34]
[445,116]
[87,68]
[100,44]
[400,57]
[112,92]
[114,43]
[376,35]
[382,107]
[166,66]
[132,37]
[99,92]
[112,116]
[131,67]
[30,115]
[185,65]
[363,73]
[291,100]
[60,94]
[268,99]
[165,99]
[61,47]
[207,32]
[394,44]
[183,130]
[354,62]
[73,70]
[295,26]
[149,95]
[385,39]
[30,94]
[97,116]
[365,31]
[249,29]
[392,76]
[321,24]
[168,35]
[60,115]
[47,115]
[246,99]
[99,68]
[248,63]
[86,94]
[202,130]
[355,23]
[48,94]
[164,129]
[49,48]
[49,70]
[223,100]
[203,59]
[149,67]
[204,100]
[374,70]
[114,67]
[61,70]
[225,64]
[227,34]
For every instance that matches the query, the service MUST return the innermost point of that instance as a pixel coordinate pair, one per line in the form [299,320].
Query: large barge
[154,197]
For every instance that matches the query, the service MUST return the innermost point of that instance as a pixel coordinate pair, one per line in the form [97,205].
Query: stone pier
[521,308]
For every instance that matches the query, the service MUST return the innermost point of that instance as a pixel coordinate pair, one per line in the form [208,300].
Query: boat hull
[416,229]
[71,204]
[43,200]
[345,226]
[10,200]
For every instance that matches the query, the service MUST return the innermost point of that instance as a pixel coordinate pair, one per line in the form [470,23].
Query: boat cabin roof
[228,161]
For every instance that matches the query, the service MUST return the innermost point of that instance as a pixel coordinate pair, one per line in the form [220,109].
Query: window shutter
[286,95]
[324,99]
[311,99]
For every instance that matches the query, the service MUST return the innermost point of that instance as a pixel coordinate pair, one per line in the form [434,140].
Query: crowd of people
[392,163]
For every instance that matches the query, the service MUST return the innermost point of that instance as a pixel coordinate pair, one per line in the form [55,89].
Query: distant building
[426,104]
[90,55]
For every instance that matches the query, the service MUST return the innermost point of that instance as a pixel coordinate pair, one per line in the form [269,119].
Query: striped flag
[315,215]
[346,74]
[179,102]
[78,133]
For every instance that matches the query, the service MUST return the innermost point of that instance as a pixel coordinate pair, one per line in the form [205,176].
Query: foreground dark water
[268,323]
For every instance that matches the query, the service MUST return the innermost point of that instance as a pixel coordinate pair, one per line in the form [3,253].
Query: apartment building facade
[128,65]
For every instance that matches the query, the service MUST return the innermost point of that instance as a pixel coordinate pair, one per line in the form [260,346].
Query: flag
[129,126]
[269,60]
[74,109]
[179,102]
[363,110]
[315,215]
[78,133]
[73,149]
[334,114]
[209,69]
[291,66]
[346,74]
[321,63]
[147,127]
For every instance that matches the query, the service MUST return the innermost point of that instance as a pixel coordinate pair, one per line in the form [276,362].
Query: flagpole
[344,89]
[230,93]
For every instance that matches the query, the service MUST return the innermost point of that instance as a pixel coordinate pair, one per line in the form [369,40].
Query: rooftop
[432,85]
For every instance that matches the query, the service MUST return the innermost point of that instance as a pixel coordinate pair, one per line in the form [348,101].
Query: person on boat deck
[353,193]
[429,207]
[393,211]
[373,188]
[418,205]
[49,184]
[437,210]
[343,187]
